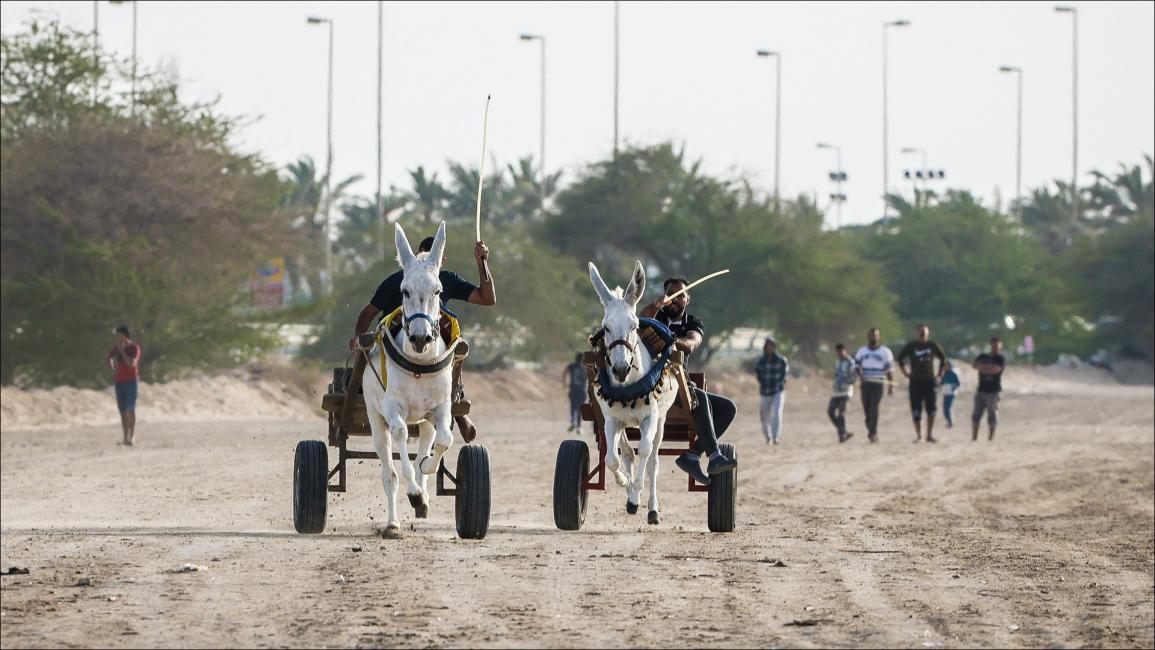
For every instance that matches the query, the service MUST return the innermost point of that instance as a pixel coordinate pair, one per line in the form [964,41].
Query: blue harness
[649,383]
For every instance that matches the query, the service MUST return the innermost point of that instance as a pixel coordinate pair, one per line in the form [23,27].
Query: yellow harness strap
[387,324]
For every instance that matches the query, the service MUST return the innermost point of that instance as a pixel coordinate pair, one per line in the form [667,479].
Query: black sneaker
[848,436]
[691,464]
[720,464]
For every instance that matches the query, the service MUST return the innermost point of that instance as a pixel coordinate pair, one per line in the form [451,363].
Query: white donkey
[409,398]
[628,361]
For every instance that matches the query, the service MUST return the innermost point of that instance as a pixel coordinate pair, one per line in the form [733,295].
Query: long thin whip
[696,283]
[481,174]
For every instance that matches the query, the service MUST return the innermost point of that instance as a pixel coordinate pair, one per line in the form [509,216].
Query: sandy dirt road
[1043,538]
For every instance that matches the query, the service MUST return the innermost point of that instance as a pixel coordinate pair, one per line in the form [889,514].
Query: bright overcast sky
[688,73]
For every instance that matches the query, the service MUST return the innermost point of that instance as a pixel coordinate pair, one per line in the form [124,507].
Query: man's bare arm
[688,343]
[484,294]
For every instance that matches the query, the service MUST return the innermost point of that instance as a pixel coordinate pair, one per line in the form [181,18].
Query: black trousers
[711,419]
[871,400]
[836,410]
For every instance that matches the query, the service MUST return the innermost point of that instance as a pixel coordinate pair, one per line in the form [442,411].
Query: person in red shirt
[124,359]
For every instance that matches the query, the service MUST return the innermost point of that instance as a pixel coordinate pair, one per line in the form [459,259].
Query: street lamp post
[378,208]
[316,20]
[541,162]
[95,48]
[1074,108]
[1018,138]
[885,132]
[617,65]
[777,119]
[923,173]
[838,176]
[132,104]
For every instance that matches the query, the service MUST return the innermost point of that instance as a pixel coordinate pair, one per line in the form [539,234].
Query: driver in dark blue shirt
[714,413]
[387,298]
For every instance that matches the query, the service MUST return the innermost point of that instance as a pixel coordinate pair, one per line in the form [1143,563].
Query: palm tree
[302,203]
[1116,198]
[426,197]
[523,196]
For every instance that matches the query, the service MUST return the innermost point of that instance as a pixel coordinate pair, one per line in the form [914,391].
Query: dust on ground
[1044,537]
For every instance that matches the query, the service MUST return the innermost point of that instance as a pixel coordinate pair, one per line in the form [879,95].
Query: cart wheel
[310,486]
[569,497]
[721,502]
[472,492]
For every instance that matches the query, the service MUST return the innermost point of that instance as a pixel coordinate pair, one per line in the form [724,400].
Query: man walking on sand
[124,359]
[574,380]
[923,379]
[771,370]
[990,366]
[843,390]
[875,364]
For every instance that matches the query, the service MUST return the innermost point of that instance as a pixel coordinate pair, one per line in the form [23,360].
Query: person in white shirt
[875,366]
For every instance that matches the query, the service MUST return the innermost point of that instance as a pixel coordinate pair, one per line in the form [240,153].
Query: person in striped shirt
[875,370]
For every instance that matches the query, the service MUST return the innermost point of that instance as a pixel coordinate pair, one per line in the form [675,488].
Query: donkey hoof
[420,507]
[427,466]
[652,518]
[392,531]
[631,508]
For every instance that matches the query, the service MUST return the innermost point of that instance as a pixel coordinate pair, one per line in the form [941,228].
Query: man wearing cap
[771,370]
[387,299]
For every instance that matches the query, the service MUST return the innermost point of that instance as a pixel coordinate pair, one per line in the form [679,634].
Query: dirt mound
[252,392]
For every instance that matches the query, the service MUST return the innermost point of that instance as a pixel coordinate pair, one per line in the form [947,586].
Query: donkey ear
[604,294]
[404,253]
[637,284]
[438,249]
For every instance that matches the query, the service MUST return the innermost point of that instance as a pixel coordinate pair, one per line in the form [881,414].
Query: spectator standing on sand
[990,366]
[923,379]
[844,377]
[771,370]
[951,386]
[574,380]
[875,367]
[124,360]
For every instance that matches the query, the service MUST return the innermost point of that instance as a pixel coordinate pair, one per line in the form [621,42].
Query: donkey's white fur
[408,399]
[626,367]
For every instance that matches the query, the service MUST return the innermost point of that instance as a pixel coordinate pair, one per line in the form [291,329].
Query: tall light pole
[380,58]
[316,20]
[838,176]
[885,133]
[1074,108]
[132,105]
[1018,138]
[777,119]
[617,65]
[541,161]
[95,48]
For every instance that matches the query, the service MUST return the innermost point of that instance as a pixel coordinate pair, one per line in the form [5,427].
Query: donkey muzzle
[621,371]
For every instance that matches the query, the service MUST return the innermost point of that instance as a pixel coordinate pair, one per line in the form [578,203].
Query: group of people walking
[872,369]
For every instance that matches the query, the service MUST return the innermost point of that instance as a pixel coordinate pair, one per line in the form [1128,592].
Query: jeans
[575,408]
[836,411]
[947,403]
[771,411]
[871,400]
[711,419]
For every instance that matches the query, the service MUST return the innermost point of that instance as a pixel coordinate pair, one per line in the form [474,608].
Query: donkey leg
[400,433]
[652,470]
[381,442]
[613,462]
[425,441]
[442,439]
[645,450]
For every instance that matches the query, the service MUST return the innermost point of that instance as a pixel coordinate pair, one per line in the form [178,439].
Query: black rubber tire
[472,492]
[310,486]
[722,499]
[569,497]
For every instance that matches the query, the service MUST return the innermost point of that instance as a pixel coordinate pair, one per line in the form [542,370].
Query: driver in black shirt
[387,298]
[714,413]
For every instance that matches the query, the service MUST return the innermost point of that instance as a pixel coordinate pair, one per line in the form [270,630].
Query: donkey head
[420,288]
[620,323]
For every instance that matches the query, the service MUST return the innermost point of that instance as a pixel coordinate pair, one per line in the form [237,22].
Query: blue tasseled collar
[649,382]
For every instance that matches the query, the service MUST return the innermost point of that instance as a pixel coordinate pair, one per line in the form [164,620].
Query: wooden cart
[345,405]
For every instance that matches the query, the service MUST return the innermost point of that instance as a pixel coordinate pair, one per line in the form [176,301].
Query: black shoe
[720,464]
[848,436]
[691,464]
